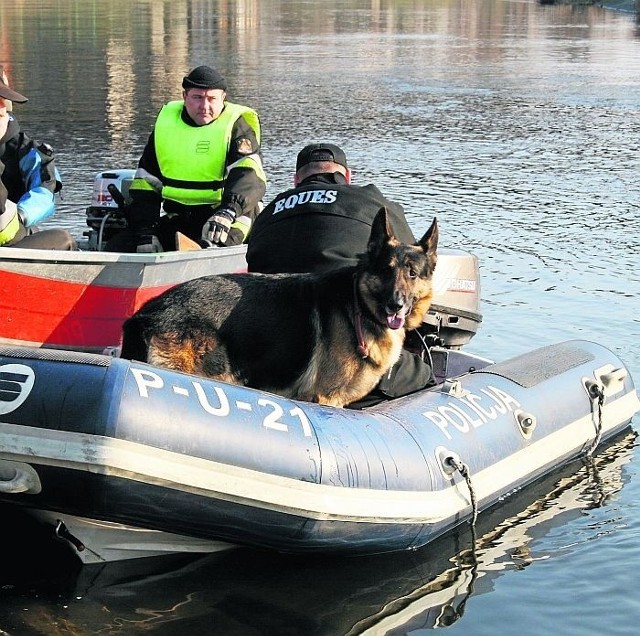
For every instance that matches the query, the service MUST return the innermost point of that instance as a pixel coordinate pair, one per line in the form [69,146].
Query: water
[517,125]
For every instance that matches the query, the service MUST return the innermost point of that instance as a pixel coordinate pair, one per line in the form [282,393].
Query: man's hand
[148,244]
[216,230]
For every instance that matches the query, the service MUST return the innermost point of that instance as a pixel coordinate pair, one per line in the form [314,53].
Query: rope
[101,231]
[450,614]
[62,532]
[463,469]
[597,398]
[426,351]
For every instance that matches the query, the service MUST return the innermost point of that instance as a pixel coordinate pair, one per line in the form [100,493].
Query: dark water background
[516,124]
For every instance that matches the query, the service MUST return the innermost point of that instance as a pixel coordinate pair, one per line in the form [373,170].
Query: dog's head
[395,278]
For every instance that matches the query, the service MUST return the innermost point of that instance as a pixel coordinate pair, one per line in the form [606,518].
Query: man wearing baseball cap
[202,166]
[30,180]
[7,93]
[323,223]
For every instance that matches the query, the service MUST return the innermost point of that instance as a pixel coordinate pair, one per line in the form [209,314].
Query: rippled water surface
[517,125]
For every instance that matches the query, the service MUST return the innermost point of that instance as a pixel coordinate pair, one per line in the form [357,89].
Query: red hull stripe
[65,314]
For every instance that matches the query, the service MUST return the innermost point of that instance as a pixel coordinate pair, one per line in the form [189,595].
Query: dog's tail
[134,344]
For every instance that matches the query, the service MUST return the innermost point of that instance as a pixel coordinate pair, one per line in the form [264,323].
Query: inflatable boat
[396,593]
[126,459]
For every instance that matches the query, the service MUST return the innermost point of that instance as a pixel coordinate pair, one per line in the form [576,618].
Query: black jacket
[29,168]
[320,225]
[3,190]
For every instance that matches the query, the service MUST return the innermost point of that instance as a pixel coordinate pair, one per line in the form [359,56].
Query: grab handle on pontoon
[18,478]
[614,378]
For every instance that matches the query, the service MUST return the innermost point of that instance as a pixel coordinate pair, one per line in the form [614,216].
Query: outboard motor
[106,215]
[454,316]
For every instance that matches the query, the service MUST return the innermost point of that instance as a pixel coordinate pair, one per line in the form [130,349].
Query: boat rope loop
[596,393]
[463,469]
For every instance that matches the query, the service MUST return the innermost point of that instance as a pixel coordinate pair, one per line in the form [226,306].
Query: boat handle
[616,376]
[452,388]
[608,381]
[62,532]
[18,478]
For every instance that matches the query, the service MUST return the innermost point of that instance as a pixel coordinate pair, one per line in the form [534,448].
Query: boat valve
[595,390]
[449,461]
[527,423]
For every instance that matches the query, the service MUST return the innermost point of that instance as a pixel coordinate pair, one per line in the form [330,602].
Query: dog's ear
[381,232]
[429,242]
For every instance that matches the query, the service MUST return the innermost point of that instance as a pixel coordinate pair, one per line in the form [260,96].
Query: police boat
[123,459]
[78,300]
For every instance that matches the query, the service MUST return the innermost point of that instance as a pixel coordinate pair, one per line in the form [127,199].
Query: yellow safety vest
[9,224]
[192,158]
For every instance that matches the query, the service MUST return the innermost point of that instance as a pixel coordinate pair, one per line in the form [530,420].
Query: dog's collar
[357,320]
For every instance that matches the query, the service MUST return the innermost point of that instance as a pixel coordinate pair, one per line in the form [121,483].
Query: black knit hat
[7,93]
[204,77]
[321,152]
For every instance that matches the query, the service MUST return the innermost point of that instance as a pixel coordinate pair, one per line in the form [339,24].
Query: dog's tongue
[395,321]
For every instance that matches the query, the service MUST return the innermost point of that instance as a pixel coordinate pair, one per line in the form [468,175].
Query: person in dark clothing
[3,192]
[30,180]
[323,223]
[202,167]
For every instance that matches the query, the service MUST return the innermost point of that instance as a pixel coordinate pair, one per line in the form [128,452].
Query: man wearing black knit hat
[202,167]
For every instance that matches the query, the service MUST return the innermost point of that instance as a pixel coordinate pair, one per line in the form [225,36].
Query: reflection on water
[248,592]
[409,87]
[517,125]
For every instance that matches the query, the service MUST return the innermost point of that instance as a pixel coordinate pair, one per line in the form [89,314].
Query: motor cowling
[454,316]
[106,214]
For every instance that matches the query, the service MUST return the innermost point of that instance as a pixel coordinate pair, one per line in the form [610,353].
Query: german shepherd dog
[326,338]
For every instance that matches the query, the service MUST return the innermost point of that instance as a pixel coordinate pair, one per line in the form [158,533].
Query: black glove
[216,230]
[148,244]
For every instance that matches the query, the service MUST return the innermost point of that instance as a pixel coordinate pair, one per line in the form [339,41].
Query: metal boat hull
[79,300]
